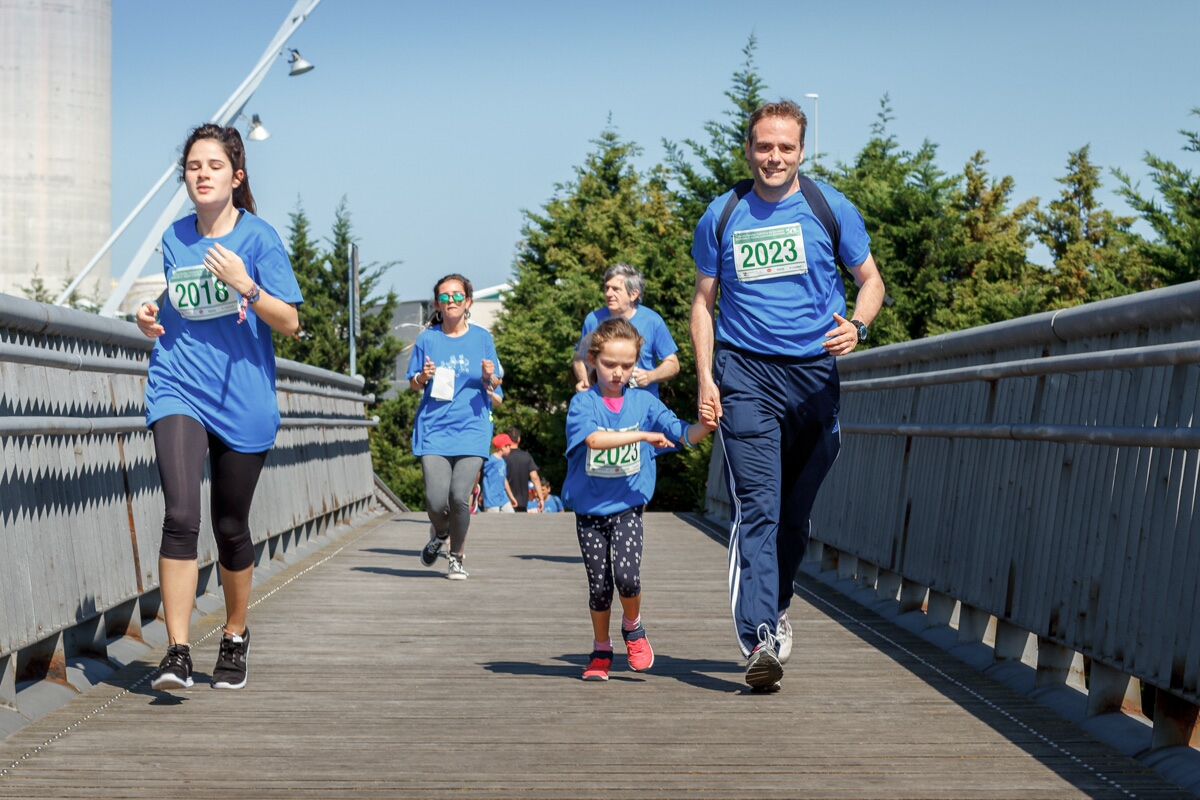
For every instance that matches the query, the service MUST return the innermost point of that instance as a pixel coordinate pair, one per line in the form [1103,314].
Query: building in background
[55,142]
[411,315]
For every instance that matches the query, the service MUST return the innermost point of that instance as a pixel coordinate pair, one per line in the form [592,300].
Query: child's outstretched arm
[707,424]
[606,440]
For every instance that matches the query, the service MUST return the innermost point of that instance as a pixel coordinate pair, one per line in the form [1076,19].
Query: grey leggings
[449,481]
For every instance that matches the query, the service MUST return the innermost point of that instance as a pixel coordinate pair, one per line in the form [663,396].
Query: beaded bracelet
[245,300]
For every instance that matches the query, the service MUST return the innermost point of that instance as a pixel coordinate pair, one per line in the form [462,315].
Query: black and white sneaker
[434,546]
[763,670]
[175,671]
[455,570]
[230,671]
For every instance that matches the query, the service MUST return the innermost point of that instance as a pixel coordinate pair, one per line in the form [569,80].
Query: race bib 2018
[197,294]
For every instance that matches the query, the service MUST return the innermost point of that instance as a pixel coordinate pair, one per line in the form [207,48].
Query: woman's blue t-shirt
[657,343]
[587,414]
[495,472]
[461,426]
[215,370]
[790,314]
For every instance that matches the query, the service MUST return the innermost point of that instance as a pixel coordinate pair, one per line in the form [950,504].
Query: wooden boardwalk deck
[371,676]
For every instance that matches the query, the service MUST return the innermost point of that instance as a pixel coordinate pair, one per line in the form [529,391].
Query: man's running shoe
[175,671]
[432,548]
[641,654]
[783,633]
[599,665]
[455,570]
[763,670]
[230,671]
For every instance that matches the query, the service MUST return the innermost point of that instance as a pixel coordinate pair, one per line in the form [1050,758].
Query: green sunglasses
[457,297]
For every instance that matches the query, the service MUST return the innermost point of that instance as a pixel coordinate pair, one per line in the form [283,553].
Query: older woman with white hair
[624,288]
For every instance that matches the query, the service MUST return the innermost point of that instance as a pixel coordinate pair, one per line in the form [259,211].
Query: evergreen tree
[1096,255]
[1175,255]
[989,278]
[324,314]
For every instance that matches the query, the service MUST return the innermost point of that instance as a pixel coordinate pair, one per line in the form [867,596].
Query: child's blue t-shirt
[786,314]
[207,366]
[461,426]
[552,503]
[599,481]
[657,343]
[495,471]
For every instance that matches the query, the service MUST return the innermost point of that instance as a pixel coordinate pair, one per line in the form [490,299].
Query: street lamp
[258,132]
[816,126]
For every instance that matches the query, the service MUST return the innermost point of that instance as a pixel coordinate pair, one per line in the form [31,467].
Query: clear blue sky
[441,122]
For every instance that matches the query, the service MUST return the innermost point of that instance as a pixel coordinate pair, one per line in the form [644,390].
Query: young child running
[613,433]
[495,493]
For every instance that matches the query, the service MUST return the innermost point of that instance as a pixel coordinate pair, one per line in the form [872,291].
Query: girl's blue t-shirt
[495,471]
[215,370]
[786,315]
[657,343]
[640,410]
[461,426]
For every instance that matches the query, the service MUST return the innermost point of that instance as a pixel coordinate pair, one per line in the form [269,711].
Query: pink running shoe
[599,665]
[641,654]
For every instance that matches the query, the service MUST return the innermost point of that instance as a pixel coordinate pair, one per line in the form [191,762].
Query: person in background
[624,288]
[496,493]
[551,503]
[521,471]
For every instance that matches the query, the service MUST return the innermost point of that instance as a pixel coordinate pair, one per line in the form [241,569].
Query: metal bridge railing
[1040,472]
[80,504]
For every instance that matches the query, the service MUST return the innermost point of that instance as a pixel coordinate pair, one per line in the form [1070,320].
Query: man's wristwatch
[862,329]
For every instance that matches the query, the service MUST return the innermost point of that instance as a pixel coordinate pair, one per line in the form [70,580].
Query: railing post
[8,681]
[1053,663]
[940,609]
[912,596]
[1108,689]
[973,624]
[1174,721]
[1011,641]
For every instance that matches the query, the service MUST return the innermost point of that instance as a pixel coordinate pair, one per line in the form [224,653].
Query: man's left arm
[844,338]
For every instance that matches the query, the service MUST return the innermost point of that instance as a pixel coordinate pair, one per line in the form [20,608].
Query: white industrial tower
[55,141]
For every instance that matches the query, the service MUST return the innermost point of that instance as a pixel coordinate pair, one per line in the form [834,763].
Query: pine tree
[1096,255]
[1175,217]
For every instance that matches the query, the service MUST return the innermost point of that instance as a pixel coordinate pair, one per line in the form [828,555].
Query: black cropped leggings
[180,444]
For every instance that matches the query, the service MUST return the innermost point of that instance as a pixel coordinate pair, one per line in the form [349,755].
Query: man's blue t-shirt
[209,367]
[657,343]
[642,411]
[787,314]
[495,471]
[461,426]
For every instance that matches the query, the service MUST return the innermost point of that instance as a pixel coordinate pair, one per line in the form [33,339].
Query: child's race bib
[764,253]
[615,462]
[197,294]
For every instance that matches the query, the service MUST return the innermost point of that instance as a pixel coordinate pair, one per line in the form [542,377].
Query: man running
[772,376]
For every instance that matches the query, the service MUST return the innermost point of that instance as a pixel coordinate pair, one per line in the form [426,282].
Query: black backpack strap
[740,190]
[824,214]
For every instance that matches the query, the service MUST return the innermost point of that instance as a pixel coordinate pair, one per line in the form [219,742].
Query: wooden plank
[373,676]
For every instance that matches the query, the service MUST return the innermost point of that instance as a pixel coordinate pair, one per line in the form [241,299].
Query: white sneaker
[455,571]
[763,670]
[783,634]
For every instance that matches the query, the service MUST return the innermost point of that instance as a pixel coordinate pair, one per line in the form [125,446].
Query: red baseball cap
[501,440]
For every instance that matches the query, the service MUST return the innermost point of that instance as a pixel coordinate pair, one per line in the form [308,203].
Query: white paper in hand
[443,384]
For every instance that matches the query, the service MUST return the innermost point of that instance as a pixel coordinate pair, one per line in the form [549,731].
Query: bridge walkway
[371,676]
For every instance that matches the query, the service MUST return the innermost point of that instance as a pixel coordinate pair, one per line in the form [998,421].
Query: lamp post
[816,126]
[227,112]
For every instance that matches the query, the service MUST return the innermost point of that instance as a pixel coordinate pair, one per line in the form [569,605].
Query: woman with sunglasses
[454,366]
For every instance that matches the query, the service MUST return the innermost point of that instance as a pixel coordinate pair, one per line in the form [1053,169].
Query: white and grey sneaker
[455,570]
[763,670]
[783,634]
[430,553]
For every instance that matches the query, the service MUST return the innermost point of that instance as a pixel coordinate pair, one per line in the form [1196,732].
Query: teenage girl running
[613,433]
[211,389]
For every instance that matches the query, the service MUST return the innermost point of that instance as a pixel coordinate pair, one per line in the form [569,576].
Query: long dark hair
[235,151]
[436,317]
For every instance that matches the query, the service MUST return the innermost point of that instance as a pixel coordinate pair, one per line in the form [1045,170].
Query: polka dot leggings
[612,551]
